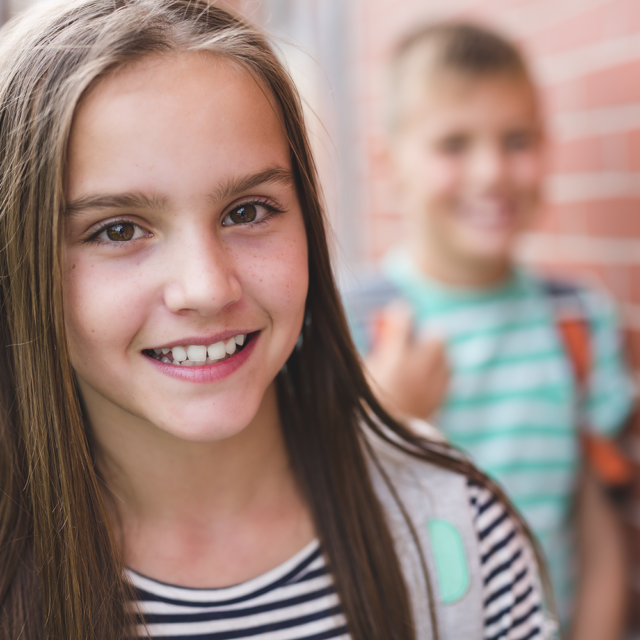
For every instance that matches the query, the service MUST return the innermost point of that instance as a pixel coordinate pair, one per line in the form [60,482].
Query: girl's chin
[208,421]
[203,433]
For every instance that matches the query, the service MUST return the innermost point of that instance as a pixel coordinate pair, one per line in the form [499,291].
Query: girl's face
[185,254]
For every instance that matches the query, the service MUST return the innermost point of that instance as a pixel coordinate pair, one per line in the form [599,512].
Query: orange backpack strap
[606,460]
[602,455]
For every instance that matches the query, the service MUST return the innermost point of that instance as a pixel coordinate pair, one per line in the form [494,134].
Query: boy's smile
[185,256]
[468,160]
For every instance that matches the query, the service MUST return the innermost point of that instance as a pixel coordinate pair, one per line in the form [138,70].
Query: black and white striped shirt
[297,600]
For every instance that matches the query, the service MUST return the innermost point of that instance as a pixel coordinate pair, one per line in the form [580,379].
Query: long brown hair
[61,575]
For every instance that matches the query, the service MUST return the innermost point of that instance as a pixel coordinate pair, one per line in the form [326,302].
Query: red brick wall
[586,54]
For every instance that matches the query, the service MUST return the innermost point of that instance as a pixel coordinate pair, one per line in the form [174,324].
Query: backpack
[437,503]
[603,458]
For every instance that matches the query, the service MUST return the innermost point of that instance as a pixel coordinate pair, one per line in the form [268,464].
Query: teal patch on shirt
[450,560]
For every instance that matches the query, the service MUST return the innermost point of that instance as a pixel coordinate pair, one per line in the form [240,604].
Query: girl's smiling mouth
[197,355]
[204,362]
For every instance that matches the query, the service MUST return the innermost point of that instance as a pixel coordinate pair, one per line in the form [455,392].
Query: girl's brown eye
[121,232]
[243,214]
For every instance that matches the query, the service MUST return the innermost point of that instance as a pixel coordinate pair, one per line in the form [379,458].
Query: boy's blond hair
[463,49]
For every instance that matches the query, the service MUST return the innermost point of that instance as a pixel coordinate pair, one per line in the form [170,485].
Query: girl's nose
[202,278]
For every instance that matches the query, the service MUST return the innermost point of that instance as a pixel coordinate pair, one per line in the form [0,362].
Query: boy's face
[468,160]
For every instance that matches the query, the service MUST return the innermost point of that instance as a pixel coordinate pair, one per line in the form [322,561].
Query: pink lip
[208,372]
[206,340]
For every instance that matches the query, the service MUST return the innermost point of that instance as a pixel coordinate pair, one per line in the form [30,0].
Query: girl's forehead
[146,68]
[184,114]
[159,77]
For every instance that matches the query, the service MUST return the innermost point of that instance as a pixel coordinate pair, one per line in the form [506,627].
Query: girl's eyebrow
[135,200]
[235,186]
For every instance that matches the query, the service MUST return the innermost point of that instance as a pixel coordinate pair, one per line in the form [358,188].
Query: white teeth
[197,352]
[179,354]
[217,351]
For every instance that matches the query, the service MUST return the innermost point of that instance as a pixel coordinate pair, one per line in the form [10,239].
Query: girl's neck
[203,514]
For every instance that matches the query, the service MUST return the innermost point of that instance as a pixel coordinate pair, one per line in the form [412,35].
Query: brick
[592,186]
[577,155]
[537,16]
[590,123]
[546,221]
[600,153]
[608,87]
[578,31]
[633,15]
[633,143]
[615,218]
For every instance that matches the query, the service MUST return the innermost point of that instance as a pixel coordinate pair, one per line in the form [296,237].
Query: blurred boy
[477,337]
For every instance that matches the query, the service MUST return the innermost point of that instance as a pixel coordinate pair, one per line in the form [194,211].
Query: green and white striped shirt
[513,404]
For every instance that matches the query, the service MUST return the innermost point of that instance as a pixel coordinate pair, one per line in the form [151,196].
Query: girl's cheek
[282,276]
[101,305]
